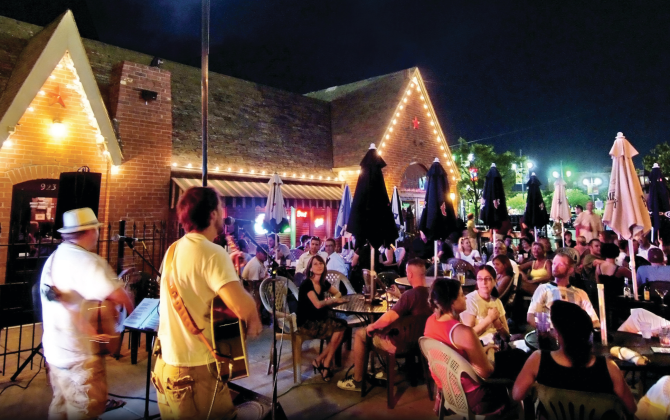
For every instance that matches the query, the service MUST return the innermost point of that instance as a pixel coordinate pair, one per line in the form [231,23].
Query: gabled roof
[360,113]
[36,62]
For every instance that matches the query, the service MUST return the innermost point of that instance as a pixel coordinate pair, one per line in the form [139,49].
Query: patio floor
[313,399]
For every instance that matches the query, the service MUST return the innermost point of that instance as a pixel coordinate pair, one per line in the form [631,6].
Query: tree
[577,197]
[474,161]
[661,155]
[517,202]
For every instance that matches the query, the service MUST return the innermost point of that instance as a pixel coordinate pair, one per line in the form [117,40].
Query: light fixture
[471,157]
[174,164]
[241,171]
[388,136]
[597,181]
[448,163]
[311,177]
[402,106]
[7,143]
[283,174]
[383,144]
[379,152]
[321,177]
[405,100]
[30,109]
[409,91]
[57,129]
[397,114]
[555,174]
[514,166]
[327,178]
[189,166]
[441,147]
[303,175]
[41,92]
[422,98]
[425,106]
[452,196]
[293,175]
[432,123]
[216,169]
[115,169]
[105,152]
[568,173]
[585,182]
[529,164]
[263,173]
[52,77]
[391,129]
[428,114]
[258,225]
[253,171]
[230,169]
[394,121]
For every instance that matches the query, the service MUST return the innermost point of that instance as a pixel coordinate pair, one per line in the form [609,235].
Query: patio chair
[563,404]
[336,279]
[295,253]
[404,335]
[388,277]
[448,366]
[399,255]
[461,265]
[286,323]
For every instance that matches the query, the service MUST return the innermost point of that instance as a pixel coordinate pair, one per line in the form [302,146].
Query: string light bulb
[174,164]
[7,143]
[189,166]
[115,169]
[230,169]
[30,109]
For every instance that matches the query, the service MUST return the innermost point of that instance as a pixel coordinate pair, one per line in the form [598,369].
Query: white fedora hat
[79,219]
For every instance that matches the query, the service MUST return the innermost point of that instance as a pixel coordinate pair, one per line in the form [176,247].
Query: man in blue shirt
[656,271]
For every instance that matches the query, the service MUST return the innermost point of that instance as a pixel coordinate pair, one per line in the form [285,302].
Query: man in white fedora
[74,274]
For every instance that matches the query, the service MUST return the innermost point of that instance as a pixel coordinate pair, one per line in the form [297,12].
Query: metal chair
[448,366]
[295,253]
[336,278]
[461,265]
[388,278]
[563,404]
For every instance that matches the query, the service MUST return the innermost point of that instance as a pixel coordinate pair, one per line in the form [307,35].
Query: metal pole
[204,87]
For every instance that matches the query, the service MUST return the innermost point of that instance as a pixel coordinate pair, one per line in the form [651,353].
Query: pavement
[312,399]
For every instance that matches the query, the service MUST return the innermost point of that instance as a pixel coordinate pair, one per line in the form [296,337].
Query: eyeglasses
[488,278]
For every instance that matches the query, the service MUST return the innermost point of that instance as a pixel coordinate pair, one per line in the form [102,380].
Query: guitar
[100,320]
[228,333]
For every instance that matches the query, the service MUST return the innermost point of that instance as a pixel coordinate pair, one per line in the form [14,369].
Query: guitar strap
[180,308]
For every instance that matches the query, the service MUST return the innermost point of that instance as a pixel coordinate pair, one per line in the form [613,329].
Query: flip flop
[113,404]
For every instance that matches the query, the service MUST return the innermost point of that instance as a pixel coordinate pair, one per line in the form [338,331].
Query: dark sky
[557,79]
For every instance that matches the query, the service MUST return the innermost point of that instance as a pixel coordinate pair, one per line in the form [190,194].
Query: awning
[261,189]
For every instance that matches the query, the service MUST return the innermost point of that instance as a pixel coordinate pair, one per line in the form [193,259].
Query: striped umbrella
[626,212]
[343,213]
[275,212]
[396,208]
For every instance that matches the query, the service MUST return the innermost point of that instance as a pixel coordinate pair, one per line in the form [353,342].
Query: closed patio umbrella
[625,211]
[275,212]
[437,219]
[535,215]
[494,204]
[657,201]
[396,208]
[371,219]
[343,213]
[560,208]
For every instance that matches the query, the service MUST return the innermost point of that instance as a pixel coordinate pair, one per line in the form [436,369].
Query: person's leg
[329,352]
[80,391]
[359,354]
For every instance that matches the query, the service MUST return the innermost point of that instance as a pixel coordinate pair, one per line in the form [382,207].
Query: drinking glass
[461,277]
[662,294]
[664,336]
[645,328]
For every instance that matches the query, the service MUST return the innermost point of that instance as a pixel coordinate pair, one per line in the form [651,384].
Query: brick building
[68,102]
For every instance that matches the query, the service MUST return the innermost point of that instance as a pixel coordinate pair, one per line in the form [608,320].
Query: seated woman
[387,260]
[505,288]
[524,253]
[609,274]
[573,366]
[484,313]
[312,313]
[537,271]
[447,301]
[466,253]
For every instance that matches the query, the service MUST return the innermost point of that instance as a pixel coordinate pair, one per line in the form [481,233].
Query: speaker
[77,190]
[252,405]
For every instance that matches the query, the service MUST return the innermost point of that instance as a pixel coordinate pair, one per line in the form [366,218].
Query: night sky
[556,79]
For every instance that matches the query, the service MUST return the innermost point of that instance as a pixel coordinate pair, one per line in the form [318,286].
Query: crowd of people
[516,285]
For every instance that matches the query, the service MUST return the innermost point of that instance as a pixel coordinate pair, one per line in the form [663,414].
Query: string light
[30,109]
[7,143]
[391,129]
[326,178]
[428,113]
[311,177]
[320,177]
[293,175]
[115,169]
[434,131]
[263,173]
[409,92]
[283,174]
[425,106]
[380,152]
[422,98]
[52,77]
[388,136]
[394,121]
[189,166]
[303,175]
[253,171]
[405,100]
[401,106]
[230,169]
[41,92]
[216,169]
[241,171]
[397,114]
[174,164]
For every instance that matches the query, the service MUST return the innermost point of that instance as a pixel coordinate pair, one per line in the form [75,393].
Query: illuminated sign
[299,213]
[318,222]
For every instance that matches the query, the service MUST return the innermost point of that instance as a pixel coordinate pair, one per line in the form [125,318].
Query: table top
[355,304]
[623,339]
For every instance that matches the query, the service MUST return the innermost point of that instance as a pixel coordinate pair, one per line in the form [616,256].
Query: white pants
[637,315]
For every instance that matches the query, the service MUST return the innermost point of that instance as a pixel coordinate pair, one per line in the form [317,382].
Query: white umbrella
[275,212]
[626,211]
[396,208]
[560,209]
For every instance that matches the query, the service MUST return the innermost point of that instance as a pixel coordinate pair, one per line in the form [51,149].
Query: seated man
[253,274]
[303,242]
[334,261]
[656,271]
[591,260]
[278,250]
[560,289]
[314,245]
[413,302]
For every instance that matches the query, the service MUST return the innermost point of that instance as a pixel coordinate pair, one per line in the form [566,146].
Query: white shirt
[284,250]
[199,269]
[644,253]
[619,260]
[79,275]
[469,258]
[335,262]
[547,293]
[656,403]
[254,270]
[304,259]
[479,308]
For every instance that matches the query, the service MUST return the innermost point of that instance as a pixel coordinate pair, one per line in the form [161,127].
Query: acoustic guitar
[100,320]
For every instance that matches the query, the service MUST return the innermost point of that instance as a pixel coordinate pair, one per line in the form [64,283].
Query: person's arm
[354,260]
[503,285]
[621,388]
[469,319]
[526,377]
[536,303]
[475,352]
[476,255]
[389,257]
[318,304]
[384,321]
[120,297]
[243,306]
[300,266]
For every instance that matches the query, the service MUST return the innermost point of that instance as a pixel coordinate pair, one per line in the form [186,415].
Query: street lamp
[590,183]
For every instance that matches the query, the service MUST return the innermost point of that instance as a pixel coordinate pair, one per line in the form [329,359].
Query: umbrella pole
[435,259]
[563,232]
[633,268]
[535,233]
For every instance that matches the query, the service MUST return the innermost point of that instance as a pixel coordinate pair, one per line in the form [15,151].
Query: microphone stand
[273,276]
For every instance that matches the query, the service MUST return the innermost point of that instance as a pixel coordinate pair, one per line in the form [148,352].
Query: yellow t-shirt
[199,269]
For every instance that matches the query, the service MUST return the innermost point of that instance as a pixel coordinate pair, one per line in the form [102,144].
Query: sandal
[317,366]
[328,375]
[113,404]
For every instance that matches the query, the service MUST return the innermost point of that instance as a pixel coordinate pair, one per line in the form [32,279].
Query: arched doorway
[31,229]
[412,193]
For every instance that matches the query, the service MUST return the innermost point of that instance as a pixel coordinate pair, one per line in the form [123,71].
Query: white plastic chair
[335,278]
[399,254]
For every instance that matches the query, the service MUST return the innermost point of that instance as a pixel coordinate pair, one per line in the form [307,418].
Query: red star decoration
[56,98]
[415,123]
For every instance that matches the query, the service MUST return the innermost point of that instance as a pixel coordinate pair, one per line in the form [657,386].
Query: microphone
[127,239]
[228,221]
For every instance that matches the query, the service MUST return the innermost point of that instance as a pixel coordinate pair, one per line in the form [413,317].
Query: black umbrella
[658,202]
[494,205]
[437,219]
[371,218]
[535,215]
